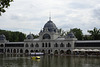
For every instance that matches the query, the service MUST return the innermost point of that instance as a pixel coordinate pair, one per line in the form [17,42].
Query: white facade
[48,42]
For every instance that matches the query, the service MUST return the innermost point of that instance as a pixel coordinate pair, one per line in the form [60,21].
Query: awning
[89,50]
[96,50]
[82,49]
[76,50]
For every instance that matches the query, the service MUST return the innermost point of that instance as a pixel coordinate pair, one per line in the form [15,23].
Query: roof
[50,26]
[30,36]
[2,37]
[60,38]
[15,43]
[87,41]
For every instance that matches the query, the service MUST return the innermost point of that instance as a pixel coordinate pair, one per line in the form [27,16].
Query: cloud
[30,16]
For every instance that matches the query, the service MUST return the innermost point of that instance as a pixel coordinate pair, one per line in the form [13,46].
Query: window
[49,45]
[42,44]
[45,44]
[32,45]
[26,45]
[69,45]
[36,45]
[1,45]
[61,45]
[56,45]
[46,36]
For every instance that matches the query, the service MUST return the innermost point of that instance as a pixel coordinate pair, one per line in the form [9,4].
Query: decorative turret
[70,35]
[30,36]
[2,37]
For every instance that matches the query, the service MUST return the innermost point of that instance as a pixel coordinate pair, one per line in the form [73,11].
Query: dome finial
[49,16]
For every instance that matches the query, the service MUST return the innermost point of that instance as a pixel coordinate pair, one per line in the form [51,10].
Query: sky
[31,15]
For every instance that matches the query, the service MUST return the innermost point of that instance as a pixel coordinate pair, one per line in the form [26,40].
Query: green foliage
[78,33]
[13,36]
[62,32]
[4,4]
[87,37]
[95,34]
[35,36]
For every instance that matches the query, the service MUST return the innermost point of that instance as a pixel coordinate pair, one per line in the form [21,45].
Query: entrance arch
[48,51]
[55,52]
[31,51]
[26,51]
[17,50]
[43,51]
[68,52]
[62,52]
[14,51]
[21,51]
[36,51]
[8,51]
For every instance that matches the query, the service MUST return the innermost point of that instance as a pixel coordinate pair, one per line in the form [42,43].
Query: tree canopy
[13,36]
[95,33]
[4,4]
[77,32]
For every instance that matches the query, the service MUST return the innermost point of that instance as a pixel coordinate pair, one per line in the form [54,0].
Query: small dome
[30,36]
[2,37]
[70,35]
[50,26]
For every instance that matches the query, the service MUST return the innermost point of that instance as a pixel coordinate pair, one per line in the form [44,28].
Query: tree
[78,33]
[13,36]
[62,32]
[95,33]
[4,4]
[21,36]
[35,36]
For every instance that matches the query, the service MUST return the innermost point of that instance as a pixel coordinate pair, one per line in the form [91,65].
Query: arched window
[26,51]
[36,45]
[14,51]
[17,50]
[46,36]
[21,51]
[61,45]
[31,51]
[1,45]
[69,45]
[49,45]
[8,51]
[56,45]
[62,52]
[42,44]
[45,44]
[26,45]
[55,52]
[32,45]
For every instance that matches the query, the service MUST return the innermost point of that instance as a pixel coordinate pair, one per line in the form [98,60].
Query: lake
[48,61]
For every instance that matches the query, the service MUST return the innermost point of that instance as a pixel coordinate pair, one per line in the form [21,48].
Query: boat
[35,57]
[36,54]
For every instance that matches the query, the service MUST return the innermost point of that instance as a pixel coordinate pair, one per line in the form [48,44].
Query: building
[49,42]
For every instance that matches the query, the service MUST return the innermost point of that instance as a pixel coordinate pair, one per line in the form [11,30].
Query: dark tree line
[19,36]
[13,36]
[93,34]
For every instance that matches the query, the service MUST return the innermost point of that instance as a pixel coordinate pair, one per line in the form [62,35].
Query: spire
[49,16]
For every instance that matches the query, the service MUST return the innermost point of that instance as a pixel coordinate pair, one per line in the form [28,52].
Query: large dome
[50,26]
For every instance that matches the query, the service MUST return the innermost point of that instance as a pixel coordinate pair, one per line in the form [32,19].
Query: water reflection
[48,61]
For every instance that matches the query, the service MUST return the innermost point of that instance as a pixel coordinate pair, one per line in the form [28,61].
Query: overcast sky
[30,15]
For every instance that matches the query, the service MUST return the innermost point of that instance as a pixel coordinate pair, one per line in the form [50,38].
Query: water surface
[48,61]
